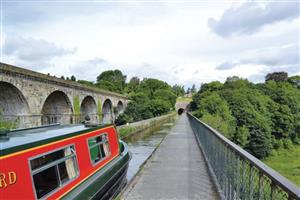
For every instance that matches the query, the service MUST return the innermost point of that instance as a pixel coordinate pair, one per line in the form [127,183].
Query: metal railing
[238,174]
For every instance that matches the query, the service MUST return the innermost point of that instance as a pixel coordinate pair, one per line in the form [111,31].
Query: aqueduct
[31,99]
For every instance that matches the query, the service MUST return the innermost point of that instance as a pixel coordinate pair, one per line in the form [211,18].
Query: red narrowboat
[62,162]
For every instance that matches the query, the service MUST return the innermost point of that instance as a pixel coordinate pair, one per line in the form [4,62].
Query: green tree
[133,85]
[87,83]
[167,96]
[112,80]
[241,136]
[211,103]
[150,86]
[178,90]
[294,80]
[277,76]
[106,85]
[193,89]
[73,78]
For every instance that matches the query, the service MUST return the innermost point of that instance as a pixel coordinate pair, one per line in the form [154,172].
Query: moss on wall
[99,109]
[76,104]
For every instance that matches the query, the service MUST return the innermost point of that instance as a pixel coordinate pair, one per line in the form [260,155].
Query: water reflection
[144,143]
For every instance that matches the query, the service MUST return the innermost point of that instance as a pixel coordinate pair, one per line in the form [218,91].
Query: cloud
[251,17]
[226,65]
[89,69]
[283,58]
[30,49]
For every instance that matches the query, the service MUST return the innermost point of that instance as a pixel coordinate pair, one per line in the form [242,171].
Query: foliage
[99,109]
[87,83]
[178,90]
[258,117]
[277,76]
[76,104]
[73,78]
[294,80]
[193,89]
[241,136]
[107,85]
[133,85]
[112,80]
[149,98]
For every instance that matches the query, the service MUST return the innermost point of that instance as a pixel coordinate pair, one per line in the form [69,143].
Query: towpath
[177,170]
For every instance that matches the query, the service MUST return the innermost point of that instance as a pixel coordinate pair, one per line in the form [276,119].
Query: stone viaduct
[31,99]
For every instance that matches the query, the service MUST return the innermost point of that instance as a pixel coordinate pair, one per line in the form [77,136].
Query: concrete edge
[140,128]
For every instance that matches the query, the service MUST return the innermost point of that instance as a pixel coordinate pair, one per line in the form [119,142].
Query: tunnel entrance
[107,115]
[88,109]
[180,111]
[57,109]
[13,104]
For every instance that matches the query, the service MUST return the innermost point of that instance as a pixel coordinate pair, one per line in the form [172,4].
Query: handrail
[240,167]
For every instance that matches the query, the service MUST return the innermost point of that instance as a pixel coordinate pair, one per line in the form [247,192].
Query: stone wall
[34,98]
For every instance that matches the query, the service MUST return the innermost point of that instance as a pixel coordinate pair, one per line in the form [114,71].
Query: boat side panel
[15,177]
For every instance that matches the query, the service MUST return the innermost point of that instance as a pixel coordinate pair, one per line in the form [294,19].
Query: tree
[193,89]
[188,91]
[87,83]
[73,78]
[167,96]
[212,86]
[107,85]
[294,80]
[241,136]
[112,80]
[277,76]
[150,86]
[178,90]
[212,105]
[62,77]
[133,85]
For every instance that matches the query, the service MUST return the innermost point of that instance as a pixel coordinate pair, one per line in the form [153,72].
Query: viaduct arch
[35,99]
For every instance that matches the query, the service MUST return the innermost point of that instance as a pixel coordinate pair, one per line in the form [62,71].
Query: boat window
[99,148]
[53,170]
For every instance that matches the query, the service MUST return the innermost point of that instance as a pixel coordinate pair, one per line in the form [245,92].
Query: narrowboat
[62,162]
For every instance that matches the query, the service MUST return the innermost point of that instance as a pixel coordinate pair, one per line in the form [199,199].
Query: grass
[184,99]
[287,163]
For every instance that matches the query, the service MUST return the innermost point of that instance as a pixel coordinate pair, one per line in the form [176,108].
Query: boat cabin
[62,161]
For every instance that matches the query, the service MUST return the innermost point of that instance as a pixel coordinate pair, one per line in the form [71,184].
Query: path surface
[177,170]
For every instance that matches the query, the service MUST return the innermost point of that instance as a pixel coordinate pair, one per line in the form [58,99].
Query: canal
[144,143]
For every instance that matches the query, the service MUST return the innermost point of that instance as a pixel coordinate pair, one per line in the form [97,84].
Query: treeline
[258,117]
[148,97]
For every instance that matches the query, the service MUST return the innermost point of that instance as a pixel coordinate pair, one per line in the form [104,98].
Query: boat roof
[21,139]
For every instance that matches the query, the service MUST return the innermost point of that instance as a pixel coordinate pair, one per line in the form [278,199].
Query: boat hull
[105,183]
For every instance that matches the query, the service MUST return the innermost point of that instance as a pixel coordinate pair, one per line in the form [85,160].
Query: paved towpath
[177,170]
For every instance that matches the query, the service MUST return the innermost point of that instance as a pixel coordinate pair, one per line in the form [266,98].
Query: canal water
[144,143]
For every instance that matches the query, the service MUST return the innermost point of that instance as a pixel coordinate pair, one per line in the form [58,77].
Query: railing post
[251,184]
[261,186]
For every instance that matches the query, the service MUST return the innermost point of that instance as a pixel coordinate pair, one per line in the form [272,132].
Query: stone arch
[107,114]
[120,107]
[57,108]
[13,104]
[88,108]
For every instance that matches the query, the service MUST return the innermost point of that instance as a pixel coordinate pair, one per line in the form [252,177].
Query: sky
[180,42]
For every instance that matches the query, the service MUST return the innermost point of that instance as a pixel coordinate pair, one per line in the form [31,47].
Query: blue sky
[179,42]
